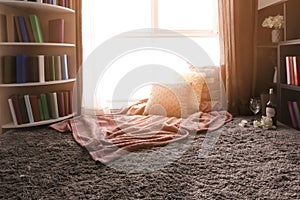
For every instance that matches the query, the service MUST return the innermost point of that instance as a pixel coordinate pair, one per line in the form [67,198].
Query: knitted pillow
[172,100]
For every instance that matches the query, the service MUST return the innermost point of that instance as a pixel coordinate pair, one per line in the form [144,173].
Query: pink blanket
[107,137]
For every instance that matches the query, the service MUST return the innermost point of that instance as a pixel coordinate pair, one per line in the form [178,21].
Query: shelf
[262,5]
[289,42]
[36,44]
[38,83]
[37,7]
[44,122]
[272,46]
[290,87]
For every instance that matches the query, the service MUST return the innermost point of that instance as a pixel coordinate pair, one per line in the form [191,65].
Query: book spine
[28,108]
[42,116]
[56,30]
[292,114]
[23,110]
[12,111]
[3,28]
[36,28]
[296,113]
[9,69]
[41,68]
[21,68]
[53,107]
[61,104]
[22,25]
[64,67]
[66,102]
[52,68]
[15,101]
[45,109]
[57,64]
[35,108]
[32,69]
[18,30]
[70,92]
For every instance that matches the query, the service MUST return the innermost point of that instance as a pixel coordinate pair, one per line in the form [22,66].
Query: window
[103,19]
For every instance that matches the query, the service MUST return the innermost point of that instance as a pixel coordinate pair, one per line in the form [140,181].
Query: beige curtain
[237,39]
[79,54]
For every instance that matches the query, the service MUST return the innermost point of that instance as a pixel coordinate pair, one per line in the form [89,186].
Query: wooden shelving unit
[269,55]
[45,12]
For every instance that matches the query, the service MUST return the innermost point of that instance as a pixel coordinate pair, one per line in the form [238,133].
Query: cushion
[172,100]
[197,83]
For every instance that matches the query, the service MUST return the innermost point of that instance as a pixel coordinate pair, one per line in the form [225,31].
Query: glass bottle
[271,110]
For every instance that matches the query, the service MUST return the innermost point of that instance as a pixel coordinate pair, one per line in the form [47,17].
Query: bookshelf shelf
[36,44]
[11,125]
[37,7]
[38,83]
[290,87]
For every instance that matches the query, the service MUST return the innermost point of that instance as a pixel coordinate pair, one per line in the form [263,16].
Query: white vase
[277,35]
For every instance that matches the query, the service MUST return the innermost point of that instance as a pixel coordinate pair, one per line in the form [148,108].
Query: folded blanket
[109,136]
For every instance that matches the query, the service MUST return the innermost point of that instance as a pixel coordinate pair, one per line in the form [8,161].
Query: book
[61,103]
[292,116]
[18,34]
[70,93]
[28,108]
[49,68]
[66,102]
[57,64]
[296,69]
[296,113]
[21,60]
[23,30]
[29,29]
[32,69]
[3,28]
[36,28]
[64,67]
[9,69]
[35,107]
[23,110]
[42,116]
[15,101]
[41,67]
[56,30]
[52,105]
[45,109]
[12,111]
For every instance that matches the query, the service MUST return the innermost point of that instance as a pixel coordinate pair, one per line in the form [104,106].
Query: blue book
[21,21]
[21,60]
[64,67]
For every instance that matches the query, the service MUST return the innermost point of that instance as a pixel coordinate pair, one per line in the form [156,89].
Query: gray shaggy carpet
[231,163]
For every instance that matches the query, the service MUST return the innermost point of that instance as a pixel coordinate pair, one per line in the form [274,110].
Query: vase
[277,35]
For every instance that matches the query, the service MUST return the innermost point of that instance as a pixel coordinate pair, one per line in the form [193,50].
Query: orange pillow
[197,83]
[172,100]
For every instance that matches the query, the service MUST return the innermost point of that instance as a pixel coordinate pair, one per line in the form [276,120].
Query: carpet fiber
[233,162]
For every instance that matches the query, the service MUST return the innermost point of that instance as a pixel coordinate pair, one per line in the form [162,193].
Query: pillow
[197,83]
[172,100]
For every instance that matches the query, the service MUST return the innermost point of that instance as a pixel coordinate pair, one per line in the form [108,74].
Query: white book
[41,65]
[64,67]
[28,108]
[12,111]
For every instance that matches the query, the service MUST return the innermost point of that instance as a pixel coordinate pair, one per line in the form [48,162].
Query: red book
[15,101]
[57,30]
[70,102]
[296,69]
[35,107]
[66,101]
[61,104]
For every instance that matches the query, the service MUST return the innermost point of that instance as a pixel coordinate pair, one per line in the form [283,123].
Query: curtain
[79,54]
[237,21]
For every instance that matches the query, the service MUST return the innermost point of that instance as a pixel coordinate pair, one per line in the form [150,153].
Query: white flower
[256,124]
[243,123]
[273,22]
[264,123]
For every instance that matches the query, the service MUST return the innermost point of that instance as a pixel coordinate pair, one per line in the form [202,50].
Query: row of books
[32,108]
[294,113]
[63,3]
[28,29]
[23,68]
[293,70]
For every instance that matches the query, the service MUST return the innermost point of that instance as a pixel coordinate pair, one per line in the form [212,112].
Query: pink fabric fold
[107,137]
